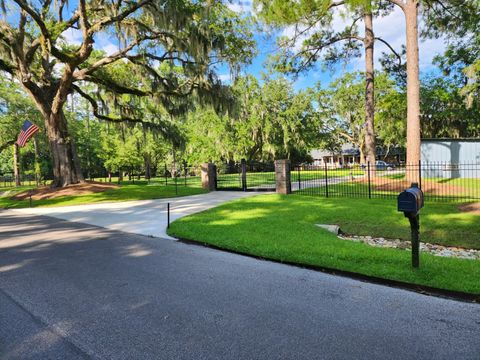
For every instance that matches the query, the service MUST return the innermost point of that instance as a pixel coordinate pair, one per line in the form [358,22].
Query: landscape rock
[434,249]
[332,228]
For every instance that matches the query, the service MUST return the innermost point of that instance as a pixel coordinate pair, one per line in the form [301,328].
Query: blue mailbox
[410,200]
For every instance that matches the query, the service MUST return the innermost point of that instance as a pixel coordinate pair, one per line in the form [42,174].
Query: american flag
[28,130]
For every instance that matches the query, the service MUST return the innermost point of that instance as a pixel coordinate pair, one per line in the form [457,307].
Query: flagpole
[16,165]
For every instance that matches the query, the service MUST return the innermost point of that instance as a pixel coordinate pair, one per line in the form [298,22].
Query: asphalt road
[74,291]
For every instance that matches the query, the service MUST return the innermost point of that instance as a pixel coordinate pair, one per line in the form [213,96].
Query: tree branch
[7,144]
[121,119]
[335,4]
[391,49]
[399,3]
[113,19]
[7,67]
[113,86]
[79,75]
[35,16]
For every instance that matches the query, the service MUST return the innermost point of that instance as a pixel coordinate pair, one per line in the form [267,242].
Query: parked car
[380,165]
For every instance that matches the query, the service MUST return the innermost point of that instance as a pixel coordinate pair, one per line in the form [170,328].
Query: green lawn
[268,177]
[13,189]
[193,181]
[137,191]
[283,228]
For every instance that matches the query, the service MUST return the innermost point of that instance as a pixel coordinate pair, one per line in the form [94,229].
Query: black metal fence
[168,175]
[440,181]
[246,176]
[7,180]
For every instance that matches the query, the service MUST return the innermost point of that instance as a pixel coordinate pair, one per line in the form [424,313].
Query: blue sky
[391,28]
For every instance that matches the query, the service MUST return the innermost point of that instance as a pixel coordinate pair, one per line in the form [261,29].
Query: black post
[299,182]
[166,177]
[176,186]
[420,174]
[244,174]
[326,180]
[414,228]
[185,173]
[30,193]
[168,215]
[369,182]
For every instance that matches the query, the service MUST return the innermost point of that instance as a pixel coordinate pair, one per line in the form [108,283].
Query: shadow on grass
[283,228]
[124,193]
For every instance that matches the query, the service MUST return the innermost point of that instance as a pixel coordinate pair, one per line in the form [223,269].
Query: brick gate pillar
[209,174]
[282,177]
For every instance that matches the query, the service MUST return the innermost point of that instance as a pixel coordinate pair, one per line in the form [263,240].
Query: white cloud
[72,36]
[240,6]
[110,48]
[224,77]
[391,28]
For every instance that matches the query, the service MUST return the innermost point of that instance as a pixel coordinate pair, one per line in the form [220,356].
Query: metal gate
[246,176]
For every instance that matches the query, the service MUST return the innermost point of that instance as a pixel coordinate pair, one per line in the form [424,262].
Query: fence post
[283,177]
[243,164]
[420,174]
[185,173]
[208,176]
[369,181]
[166,177]
[168,215]
[326,180]
[299,182]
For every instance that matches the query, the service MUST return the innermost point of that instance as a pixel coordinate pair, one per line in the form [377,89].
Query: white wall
[462,155]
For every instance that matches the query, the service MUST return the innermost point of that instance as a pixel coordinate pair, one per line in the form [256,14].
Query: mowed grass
[283,228]
[268,178]
[137,191]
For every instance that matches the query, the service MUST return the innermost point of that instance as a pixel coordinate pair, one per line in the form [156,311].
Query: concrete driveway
[77,291]
[146,217]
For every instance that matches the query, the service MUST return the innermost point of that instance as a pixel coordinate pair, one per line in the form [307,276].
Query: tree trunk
[413,88]
[66,166]
[369,40]
[147,161]
[362,156]
[16,164]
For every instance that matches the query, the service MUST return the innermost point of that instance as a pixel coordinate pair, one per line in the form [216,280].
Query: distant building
[349,155]
[451,158]
[456,151]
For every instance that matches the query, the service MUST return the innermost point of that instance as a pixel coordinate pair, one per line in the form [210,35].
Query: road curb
[420,289]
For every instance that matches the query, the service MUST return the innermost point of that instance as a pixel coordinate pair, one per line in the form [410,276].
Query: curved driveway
[145,217]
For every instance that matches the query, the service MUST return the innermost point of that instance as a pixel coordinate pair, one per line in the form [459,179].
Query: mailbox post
[410,202]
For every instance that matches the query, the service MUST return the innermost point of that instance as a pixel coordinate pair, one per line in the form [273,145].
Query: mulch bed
[434,188]
[473,208]
[46,192]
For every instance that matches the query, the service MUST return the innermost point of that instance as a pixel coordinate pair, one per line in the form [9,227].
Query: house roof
[449,139]
[346,149]
[351,150]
